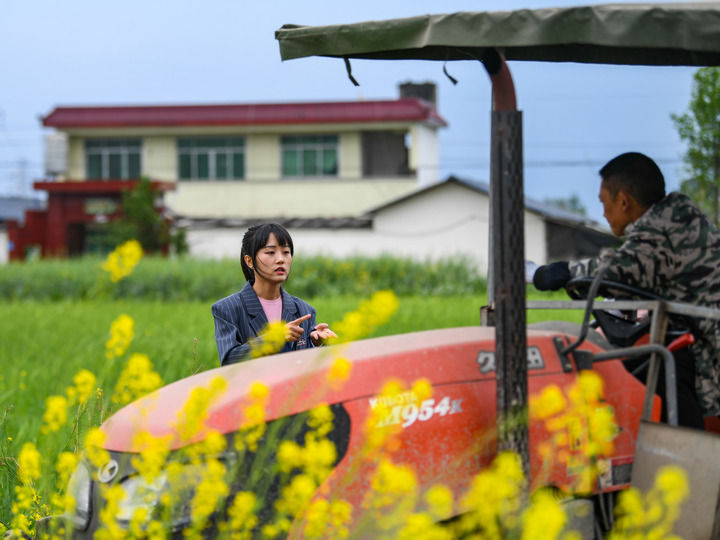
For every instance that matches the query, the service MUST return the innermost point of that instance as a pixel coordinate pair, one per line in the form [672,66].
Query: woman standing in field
[266,257]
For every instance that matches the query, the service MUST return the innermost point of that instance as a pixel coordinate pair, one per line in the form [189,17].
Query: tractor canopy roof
[641,34]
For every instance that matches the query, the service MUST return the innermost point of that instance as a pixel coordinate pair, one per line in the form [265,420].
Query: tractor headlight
[166,498]
[140,495]
[80,488]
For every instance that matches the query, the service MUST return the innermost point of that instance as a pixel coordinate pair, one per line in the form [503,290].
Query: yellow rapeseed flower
[328,519]
[544,518]
[391,482]
[591,385]
[422,389]
[320,420]
[495,498]
[21,523]
[581,425]
[270,340]
[392,387]
[66,463]
[122,260]
[420,526]
[253,425]
[672,482]
[316,519]
[209,493]
[94,440]
[243,516]
[121,334]
[137,379]
[254,415]
[379,435]
[339,372]
[439,500]
[550,402]
[109,527]
[191,419]
[137,522]
[271,530]
[392,495]
[62,503]
[29,463]
[156,530]
[653,514]
[84,387]
[296,496]
[55,415]
[289,456]
[318,458]
[259,391]
[151,455]
[508,466]
[212,445]
[340,517]
[370,315]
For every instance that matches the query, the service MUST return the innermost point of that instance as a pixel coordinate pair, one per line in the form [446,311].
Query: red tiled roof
[401,110]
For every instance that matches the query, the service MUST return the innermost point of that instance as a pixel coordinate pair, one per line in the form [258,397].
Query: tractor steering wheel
[620,328]
[579,287]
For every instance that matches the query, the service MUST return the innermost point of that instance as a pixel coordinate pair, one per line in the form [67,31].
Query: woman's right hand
[293,330]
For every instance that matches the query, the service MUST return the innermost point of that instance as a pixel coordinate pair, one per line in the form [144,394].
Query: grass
[188,279]
[45,343]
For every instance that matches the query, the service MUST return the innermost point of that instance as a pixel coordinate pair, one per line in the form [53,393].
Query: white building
[441,221]
[256,160]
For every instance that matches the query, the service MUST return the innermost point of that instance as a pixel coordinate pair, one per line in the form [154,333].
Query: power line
[556,163]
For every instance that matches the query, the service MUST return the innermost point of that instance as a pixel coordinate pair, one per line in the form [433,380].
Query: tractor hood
[297,381]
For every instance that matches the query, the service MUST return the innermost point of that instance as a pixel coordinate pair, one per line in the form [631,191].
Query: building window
[113,159]
[309,155]
[384,153]
[211,158]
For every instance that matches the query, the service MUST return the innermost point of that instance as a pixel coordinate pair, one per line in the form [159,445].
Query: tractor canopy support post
[508,256]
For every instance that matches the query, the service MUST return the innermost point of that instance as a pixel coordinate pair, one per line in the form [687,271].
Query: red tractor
[446,438]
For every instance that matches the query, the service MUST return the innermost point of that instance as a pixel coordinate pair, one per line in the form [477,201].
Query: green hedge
[183,279]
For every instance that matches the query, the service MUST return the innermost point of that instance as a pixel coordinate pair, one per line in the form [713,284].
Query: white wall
[536,248]
[424,154]
[447,221]
[284,198]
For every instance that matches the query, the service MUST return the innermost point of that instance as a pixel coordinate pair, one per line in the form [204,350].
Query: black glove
[552,277]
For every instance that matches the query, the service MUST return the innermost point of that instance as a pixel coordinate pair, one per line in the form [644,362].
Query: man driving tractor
[670,249]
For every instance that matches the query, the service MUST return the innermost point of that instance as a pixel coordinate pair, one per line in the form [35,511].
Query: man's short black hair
[255,238]
[637,175]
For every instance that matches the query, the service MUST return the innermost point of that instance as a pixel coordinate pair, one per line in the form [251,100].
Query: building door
[75,239]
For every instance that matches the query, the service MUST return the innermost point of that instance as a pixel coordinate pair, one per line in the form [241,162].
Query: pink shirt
[272,308]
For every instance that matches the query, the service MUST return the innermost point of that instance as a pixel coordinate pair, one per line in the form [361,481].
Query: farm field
[44,344]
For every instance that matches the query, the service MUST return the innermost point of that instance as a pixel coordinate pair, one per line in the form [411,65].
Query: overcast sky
[82,52]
